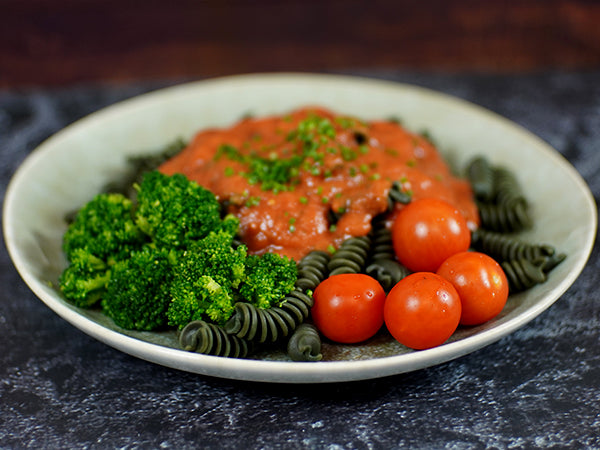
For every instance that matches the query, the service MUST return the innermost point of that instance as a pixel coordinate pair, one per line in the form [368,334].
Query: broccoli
[137,295]
[268,279]
[205,280]
[173,210]
[201,299]
[166,258]
[105,228]
[229,225]
[84,280]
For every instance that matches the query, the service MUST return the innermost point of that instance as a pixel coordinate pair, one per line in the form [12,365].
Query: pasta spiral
[381,240]
[481,177]
[499,197]
[504,218]
[209,339]
[397,195]
[312,269]
[523,274]
[271,324]
[506,247]
[382,261]
[305,344]
[507,189]
[351,257]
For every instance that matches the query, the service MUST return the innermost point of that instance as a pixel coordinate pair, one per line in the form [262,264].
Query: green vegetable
[268,279]
[205,279]
[166,258]
[203,298]
[173,210]
[105,228]
[137,295]
[84,280]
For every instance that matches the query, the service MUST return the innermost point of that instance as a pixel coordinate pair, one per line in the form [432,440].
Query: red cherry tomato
[481,284]
[428,231]
[348,308]
[422,310]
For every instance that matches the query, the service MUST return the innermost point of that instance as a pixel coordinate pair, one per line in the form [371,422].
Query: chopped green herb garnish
[252,201]
[345,122]
[348,154]
[310,141]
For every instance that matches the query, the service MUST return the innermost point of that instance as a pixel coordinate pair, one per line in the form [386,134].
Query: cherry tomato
[422,310]
[428,231]
[348,308]
[481,284]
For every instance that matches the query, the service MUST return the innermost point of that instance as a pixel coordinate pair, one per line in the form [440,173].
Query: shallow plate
[73,165]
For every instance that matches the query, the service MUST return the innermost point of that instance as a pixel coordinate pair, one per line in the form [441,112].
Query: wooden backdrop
[57,42]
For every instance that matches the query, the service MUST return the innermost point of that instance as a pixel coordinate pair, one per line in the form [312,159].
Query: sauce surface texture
[311,179]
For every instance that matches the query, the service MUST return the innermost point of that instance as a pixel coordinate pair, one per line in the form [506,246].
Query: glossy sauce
[342,171]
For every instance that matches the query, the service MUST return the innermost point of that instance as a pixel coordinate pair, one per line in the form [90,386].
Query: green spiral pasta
[523,274]
[551,261]
[312,269]
[351,257]
[305,344]
[504,218]
[271,324]
[499,197]
[209,339]
[481,177]
[398,195]
[507,189]
[505,247]
[382,264]
[381,239]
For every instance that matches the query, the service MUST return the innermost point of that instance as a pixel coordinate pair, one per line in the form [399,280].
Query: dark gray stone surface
[539,387]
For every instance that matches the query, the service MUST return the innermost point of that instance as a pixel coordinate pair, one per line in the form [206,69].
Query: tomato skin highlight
[428,231]
[422,311]
[481,284]
[348,308]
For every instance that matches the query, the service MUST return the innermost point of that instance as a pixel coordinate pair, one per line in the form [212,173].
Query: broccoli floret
[268,279]
[137,295]
[84,281]
[105,228]
[229,225]
[173,210]
[212,258]
[216,257]
[201,299]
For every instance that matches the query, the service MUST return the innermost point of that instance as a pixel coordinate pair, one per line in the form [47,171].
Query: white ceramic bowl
[73,165]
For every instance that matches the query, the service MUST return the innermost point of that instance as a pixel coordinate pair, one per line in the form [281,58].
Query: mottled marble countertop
[539,387]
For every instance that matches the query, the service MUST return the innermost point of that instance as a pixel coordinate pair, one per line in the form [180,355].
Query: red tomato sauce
[311,179]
